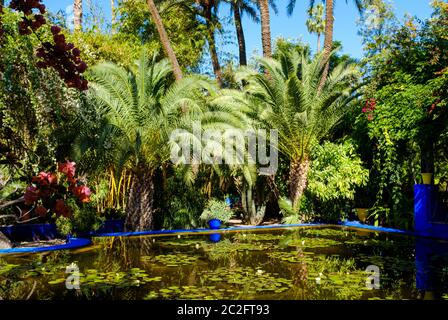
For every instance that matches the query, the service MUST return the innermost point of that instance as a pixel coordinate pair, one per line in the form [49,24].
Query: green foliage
[83,219]
[217,209]
[336,172]
[289,98]
[184,30]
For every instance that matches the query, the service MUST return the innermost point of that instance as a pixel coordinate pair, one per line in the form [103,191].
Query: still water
[296,263]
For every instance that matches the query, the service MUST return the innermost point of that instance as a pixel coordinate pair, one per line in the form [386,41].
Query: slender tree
[78,13]
[239,8]
[316,22]
[165,40]
[113,13]
[265,28]
[329,27]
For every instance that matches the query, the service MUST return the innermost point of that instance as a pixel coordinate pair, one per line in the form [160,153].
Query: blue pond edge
[74,243]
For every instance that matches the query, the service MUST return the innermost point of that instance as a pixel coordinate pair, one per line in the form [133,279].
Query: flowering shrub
[62,196]
[369,108]
[63,57]
[50,191]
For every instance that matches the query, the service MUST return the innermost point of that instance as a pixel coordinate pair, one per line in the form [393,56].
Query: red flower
[31,195]
[41,211]
[83,193]
[68,168]
[45,179]
[61,208]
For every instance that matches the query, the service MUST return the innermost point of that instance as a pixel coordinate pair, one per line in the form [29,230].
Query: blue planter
[214,224]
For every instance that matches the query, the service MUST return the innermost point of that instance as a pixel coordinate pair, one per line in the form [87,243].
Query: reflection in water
[311,263]
[215,237]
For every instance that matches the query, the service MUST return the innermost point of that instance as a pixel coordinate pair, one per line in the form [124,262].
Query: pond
[291,263]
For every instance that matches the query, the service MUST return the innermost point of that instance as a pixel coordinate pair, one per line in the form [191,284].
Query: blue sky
[294,27]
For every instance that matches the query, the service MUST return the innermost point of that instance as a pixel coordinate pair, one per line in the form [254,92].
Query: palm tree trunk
[298,180]
[239,34]
[328,43]
[212,43]
[140,205]
[77,11]
[165,40]
[265,28]
[113,14]
[318,42]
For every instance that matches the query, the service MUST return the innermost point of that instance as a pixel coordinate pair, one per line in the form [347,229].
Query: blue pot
[214,224]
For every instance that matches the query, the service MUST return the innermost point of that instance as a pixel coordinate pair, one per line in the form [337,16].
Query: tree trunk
[212,43]
[140,206]
[77,11]
[165,40]
[240,34]
[298,180]
[328,43]
[318,42]
[265,28]
[253,213]
[113,14]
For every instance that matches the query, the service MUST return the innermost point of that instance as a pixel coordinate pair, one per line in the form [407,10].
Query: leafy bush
[336,171]
[217,209]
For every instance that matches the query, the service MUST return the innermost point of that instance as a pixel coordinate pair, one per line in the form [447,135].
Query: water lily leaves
[172,260]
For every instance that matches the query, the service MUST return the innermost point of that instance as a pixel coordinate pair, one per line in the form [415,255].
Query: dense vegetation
[103,99]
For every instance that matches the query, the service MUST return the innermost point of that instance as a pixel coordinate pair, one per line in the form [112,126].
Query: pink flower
[83,193]
[68,168]
[370,117]
[31,195]
[45,179]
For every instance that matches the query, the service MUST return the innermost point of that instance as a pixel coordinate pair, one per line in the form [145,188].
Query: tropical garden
[86,114]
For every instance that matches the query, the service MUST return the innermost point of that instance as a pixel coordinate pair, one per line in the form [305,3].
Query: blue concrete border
[72,243]
[160,232]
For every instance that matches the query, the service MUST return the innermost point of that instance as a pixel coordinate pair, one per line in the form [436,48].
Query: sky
[294,27]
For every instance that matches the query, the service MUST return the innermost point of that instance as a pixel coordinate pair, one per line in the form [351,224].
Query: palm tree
[207,9]
[240,7]
[144,106]
[113,13]
[266,39]
[329,26]
[78,12]
[316,22]
[288,99]
[165,40]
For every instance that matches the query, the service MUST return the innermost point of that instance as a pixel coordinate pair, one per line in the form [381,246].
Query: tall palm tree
[288,99]
[208,10]
[316,22]
[77,12]
[329,27]
[165,40]
[144,106]
[239,8]
[266,39]
[113,13]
